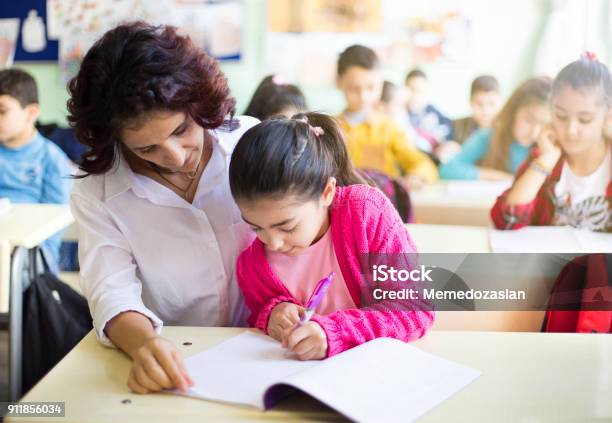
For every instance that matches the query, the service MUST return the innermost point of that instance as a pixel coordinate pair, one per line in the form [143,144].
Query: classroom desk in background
[525,377]
[431,238]
[463,240]
[456,202]
[27,226]
[22,229]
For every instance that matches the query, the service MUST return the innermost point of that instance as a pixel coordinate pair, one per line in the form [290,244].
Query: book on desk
[381,380]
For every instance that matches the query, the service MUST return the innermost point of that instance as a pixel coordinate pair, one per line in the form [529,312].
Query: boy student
[375,141]
[32,168]
[485,102]
[432,126]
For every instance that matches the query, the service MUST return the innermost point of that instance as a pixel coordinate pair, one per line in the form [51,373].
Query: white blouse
[144,248]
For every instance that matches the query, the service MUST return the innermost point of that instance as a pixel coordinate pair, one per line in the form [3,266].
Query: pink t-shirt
[301,273]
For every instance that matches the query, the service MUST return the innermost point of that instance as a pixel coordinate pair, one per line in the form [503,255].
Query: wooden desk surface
[525,376]
[449,238]
[28,225]
[443,203]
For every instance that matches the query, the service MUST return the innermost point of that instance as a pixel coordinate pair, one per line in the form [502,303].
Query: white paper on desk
[5,205]
[241,369]
[381,380]
[550,239]
[477,189]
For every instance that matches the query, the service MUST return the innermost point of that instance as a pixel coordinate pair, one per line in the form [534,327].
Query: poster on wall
[215,26]
[32,43]
[325,15]
[403,34]
[436,31]
[9,28]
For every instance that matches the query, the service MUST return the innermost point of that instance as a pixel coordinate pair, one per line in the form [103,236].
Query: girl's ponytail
[294,156]
[332,140]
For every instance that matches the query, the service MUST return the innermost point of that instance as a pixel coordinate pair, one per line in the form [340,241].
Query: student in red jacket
[567,180]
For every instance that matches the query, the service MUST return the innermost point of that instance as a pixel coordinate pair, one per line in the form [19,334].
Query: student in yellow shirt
[373,140]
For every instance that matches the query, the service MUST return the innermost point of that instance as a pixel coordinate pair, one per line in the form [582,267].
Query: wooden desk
[449,238]
[464,240]
[525,376]
[22,229]
[441,203]
[28,225]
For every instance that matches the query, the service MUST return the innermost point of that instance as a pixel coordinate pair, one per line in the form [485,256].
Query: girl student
[295,186]
[496,153]
[275,96]
[567,180]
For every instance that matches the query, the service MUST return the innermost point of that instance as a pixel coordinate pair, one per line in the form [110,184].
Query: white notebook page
[381,380]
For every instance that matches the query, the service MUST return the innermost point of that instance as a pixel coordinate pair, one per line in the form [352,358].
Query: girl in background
[275,96]
[495,154]
[567,180]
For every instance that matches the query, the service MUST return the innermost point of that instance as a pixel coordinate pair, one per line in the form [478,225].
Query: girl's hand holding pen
[307,341]
[284,316]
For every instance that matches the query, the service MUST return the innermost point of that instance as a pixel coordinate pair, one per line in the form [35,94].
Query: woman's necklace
[189,175]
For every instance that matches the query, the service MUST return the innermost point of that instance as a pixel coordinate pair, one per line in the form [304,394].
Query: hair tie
[317,131]
[590,56]
[279,80]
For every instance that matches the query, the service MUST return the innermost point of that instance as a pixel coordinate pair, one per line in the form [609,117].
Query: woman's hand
[158,365]
[284,316]
[550,151]
[307,342]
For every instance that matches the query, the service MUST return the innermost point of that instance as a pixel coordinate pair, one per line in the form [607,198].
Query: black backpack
[55,319]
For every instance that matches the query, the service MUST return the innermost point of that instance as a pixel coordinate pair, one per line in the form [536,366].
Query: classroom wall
[506,35]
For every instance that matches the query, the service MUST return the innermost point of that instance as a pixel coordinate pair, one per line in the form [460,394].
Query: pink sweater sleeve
[406,320]
[259,296]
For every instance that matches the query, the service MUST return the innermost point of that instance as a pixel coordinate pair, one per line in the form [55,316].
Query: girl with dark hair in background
[275,96]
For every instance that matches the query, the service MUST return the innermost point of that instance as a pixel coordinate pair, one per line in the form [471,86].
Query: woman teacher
[159,233]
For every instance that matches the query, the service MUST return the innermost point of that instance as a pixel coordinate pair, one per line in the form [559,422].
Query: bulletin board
[68,28]
[19,9]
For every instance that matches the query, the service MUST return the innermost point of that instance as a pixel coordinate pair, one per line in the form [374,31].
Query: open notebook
[381,380]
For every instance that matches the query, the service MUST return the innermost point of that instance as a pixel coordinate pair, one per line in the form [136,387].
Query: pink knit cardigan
[362,221]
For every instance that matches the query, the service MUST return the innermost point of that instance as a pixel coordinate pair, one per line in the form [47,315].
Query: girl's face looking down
[579,119]
[528,123]
[287,224]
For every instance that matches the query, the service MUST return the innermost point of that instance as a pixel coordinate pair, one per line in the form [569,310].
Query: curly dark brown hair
[136,68]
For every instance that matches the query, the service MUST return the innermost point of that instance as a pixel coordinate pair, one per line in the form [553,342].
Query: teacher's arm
[113,291]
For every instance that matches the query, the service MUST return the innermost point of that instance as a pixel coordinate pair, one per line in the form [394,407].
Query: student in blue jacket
[32,168]
[496,153]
